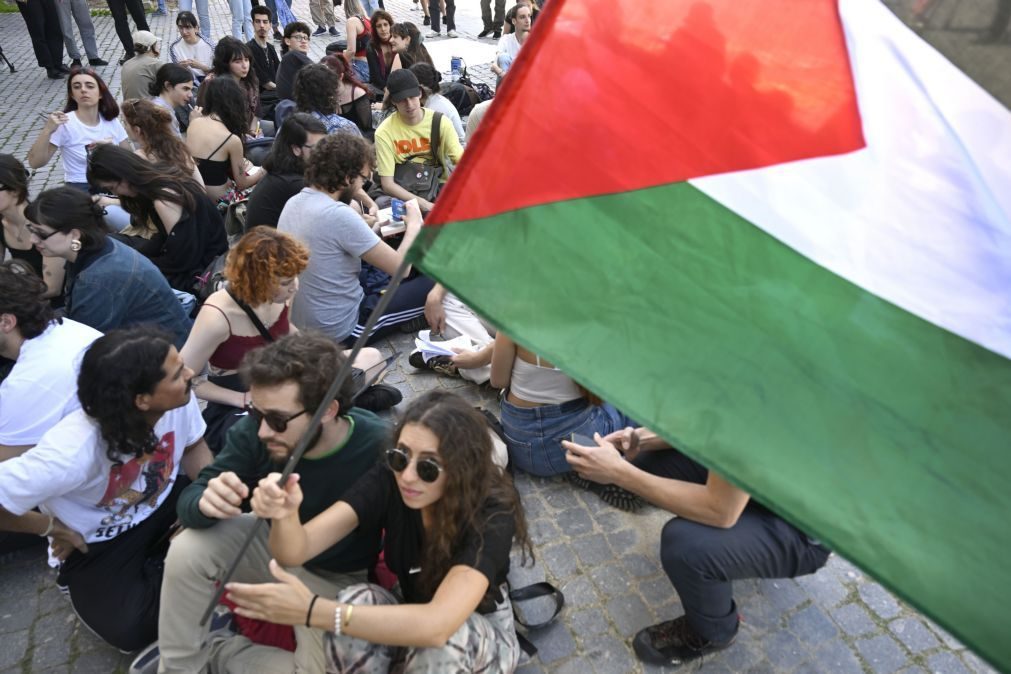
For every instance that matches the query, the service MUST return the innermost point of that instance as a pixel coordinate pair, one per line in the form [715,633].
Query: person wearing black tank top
[14,235]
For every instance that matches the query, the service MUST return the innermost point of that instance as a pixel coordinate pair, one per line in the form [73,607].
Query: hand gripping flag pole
[342,374]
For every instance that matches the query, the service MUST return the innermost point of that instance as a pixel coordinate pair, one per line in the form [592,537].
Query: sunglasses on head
[428,469]
[276,422]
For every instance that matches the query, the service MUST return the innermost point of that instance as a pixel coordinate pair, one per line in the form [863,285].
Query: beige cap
[145,38]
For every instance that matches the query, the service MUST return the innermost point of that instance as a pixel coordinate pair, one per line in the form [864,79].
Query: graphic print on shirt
[134,485]
[413,146]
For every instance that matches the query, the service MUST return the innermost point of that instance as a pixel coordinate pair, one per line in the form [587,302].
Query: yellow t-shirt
[395,141]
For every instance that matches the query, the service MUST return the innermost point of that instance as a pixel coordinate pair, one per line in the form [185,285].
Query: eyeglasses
[276,422]
[301,37]
[428,469]
[39,234]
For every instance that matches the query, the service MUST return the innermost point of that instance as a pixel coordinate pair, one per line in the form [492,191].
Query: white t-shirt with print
[42,387]
[68,475]
[73,139]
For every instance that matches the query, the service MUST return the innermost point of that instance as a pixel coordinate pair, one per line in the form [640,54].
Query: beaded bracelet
[337,627]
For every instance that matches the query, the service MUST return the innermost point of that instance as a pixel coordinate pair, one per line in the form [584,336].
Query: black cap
[402,84]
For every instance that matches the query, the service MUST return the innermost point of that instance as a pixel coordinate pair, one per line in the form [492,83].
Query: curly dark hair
[65,209]
[291,29]
[224,97]
[293,133]
[151,180]
[337,160]
[310,359]
[472,481]
[21,294]
[14,177]
[116,369]
[316,89]
[157,138]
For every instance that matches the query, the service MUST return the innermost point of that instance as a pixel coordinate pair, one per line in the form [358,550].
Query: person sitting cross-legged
[509,45]
[719,535]
[287,382]
[106,479]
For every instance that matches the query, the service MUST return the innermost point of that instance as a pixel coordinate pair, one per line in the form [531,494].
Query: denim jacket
[117,287]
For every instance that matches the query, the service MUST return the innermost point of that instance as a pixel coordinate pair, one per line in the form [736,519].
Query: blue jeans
[202,16]
[534,434]
[370,7]
[242,22]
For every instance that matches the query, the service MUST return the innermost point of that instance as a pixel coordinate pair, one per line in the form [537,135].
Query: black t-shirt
[291,63]
[376,500]
[265,62]
[269,197]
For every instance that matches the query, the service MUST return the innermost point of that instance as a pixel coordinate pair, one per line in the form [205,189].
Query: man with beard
[331,297]
[287,382]
[265,60]
[106,480]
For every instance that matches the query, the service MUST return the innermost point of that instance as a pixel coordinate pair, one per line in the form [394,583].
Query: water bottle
[456,68]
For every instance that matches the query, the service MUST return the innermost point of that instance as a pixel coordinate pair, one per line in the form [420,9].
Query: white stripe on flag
[922,216]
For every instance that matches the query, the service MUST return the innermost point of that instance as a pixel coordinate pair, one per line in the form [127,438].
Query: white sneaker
[433,34]
[450,33]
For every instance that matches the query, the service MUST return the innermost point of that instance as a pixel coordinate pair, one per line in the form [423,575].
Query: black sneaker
[427,21]
[126,57]
[76,63]
[97,62]
[673,643]
[55,74]
[486,32]
[413,325]
[63,68]
[378,397]
[320,30]
[333,30]
[439,364]
[497,34]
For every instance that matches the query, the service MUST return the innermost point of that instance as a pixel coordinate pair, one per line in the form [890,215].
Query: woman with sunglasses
[450,517]
[15,237]
[108,284]
[89,118]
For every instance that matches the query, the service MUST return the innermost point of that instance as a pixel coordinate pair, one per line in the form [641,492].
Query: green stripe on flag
[870,428]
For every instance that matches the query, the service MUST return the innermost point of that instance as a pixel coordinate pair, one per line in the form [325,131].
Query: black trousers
[43,21]
[486,15]
[116,587]
[702,561]
[119,9]
[434,10]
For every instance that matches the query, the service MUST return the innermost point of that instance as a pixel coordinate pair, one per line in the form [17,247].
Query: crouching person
[450,517]
[287,380]
[106,479]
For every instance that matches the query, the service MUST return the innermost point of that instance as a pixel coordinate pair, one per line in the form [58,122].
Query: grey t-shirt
[329,292]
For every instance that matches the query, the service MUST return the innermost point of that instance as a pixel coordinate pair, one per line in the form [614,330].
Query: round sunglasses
[276,422]
[428,469]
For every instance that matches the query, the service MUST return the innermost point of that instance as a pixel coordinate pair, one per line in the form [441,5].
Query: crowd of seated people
[183,362]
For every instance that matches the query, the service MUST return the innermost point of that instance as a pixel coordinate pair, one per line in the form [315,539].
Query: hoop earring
[75,245]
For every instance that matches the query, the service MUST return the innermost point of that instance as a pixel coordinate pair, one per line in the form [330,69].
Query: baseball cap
[145,38]
[402,84]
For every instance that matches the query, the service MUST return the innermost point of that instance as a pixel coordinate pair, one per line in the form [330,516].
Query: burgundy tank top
[230,352]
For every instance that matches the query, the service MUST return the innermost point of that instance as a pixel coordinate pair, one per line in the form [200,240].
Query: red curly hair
[260,260]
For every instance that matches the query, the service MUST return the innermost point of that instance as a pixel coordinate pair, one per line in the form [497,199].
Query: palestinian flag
[778,234]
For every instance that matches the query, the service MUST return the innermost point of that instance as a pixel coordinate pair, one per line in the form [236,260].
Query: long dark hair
[151,180]
[107,106]
[224,97]
[294,132]
[229,49]
[416,52]
[67,208]
[472,480]
[116,369]
[160,142]
[339,63]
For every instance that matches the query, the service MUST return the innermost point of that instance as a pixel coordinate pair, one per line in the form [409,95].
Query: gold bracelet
[347,616]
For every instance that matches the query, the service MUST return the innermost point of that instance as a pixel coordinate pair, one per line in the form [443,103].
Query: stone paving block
[611,656]
[882,653]
[101,661]
[641,566]
[532,667]
[592,550]
[824,587]
[743,654]
[658,593]
[629,614]
[610,520]
[15,645]
[51,637]
[622,540]
[543,530]
[879,600]
[946,638]
[812,626]
[553,642]
[19,614]
[559,560]
[946,663]
[575,521]
[562,499]
[579,592]
[914,634]
[574,665]
[784,650]
[854,620]
[520,576]
[976,663]
[610,579]
[782,593]
[913,670]
[587,623]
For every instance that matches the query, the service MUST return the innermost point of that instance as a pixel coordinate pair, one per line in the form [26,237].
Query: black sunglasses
[275,421]
[428,469]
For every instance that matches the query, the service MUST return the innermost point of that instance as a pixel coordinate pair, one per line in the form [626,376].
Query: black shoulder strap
[253,317]
[534,591]
[437,138]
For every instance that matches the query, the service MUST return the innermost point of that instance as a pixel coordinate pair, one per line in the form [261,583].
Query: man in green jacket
[288,380]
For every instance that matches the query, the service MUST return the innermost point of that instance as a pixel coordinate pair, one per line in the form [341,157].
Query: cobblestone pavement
[837,621]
